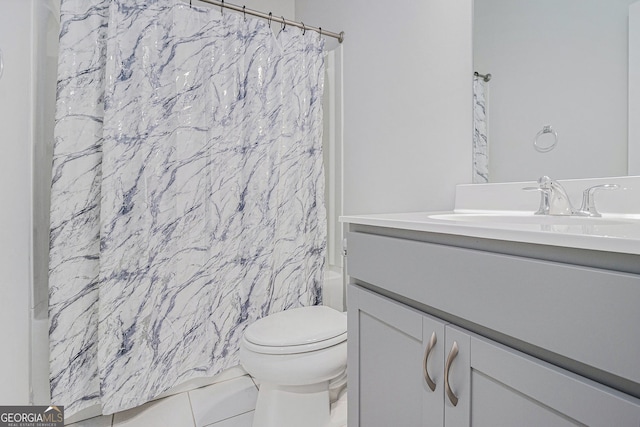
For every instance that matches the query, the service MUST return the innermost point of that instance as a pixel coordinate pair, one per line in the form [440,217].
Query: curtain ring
[284,24]
[320,31]
[244,12]
[222,6]
[270,17]
[304,29]
[189,4]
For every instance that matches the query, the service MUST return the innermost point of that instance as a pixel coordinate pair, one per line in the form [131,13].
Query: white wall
[554,62]
[407,99]
[634,88]
[15,199]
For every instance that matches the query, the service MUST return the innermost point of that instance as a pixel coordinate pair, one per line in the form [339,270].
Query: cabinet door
[387,348]
[510,388]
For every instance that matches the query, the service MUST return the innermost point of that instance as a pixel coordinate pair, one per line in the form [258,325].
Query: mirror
[557,63]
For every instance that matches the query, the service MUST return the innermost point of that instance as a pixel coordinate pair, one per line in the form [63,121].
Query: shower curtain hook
[222,7]
[189,4]
[284,24]
[320,31]
[304,28]
[244,12]
[270,17]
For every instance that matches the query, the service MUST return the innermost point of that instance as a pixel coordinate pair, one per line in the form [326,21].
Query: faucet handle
[544,183]
[544,199]
[588,207]
[554,199]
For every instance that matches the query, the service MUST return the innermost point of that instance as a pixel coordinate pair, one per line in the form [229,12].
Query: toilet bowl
[296,356]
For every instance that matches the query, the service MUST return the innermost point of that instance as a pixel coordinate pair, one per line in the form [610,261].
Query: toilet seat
[294,349]
[299,330]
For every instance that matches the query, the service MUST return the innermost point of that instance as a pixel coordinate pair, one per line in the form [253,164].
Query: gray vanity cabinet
[495,383]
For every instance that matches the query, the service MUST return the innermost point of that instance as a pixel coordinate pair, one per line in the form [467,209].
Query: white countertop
[621,237]
[617,231]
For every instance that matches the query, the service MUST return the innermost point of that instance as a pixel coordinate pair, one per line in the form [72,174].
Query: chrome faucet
[588,207]
[553,198]
[555,201]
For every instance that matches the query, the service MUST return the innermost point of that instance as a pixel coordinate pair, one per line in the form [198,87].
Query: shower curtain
[187,194]
[480,140]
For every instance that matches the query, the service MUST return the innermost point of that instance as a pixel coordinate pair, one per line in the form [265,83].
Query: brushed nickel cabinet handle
[452,355]
[425,372]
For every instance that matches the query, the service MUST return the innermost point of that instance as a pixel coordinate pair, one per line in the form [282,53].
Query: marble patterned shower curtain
[480,137]
[187,195]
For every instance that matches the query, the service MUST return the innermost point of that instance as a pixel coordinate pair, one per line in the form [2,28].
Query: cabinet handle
[432,343]
[452,355]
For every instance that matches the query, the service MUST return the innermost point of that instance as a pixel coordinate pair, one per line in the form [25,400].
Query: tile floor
[228,403]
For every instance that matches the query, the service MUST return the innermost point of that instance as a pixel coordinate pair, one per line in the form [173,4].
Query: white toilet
[296,356]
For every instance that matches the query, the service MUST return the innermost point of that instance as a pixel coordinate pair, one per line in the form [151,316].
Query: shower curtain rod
[485,77]
[270,17]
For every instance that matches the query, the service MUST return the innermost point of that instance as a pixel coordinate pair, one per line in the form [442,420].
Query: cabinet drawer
[585,314]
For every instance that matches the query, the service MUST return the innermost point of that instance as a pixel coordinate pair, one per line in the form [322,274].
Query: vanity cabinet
[399,298]
[493,384]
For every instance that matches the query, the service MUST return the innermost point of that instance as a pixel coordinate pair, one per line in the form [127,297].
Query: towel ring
[545,148]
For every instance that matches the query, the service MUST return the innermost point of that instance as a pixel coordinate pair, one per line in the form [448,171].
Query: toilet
[298,357]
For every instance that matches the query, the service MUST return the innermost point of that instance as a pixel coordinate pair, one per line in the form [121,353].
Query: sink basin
[526,219]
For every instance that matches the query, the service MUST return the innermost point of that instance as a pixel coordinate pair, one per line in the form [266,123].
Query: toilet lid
[298,326]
